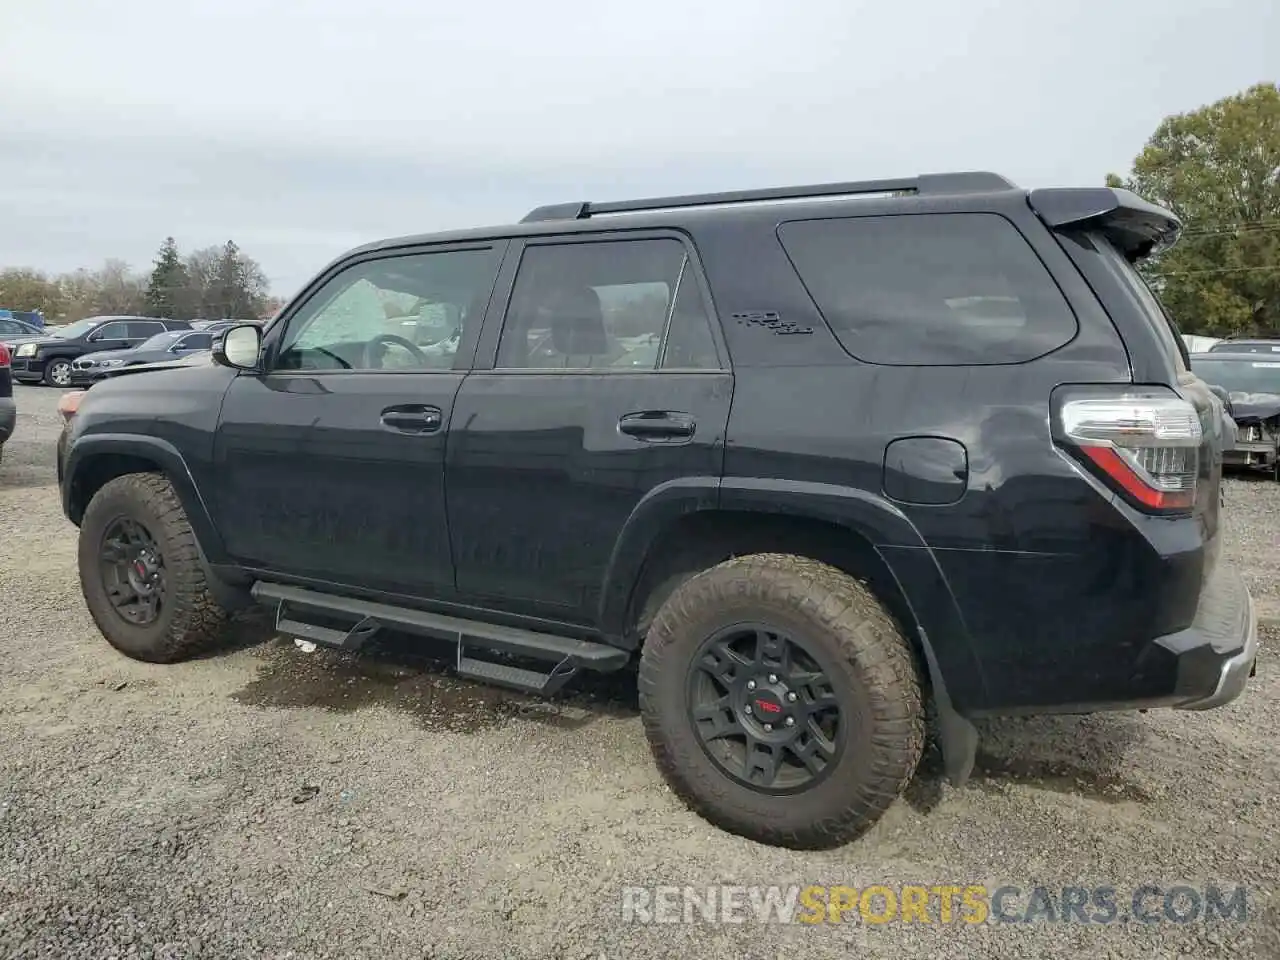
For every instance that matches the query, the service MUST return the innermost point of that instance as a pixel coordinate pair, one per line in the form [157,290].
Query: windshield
[160,341]
[1227,346]
[1240,376]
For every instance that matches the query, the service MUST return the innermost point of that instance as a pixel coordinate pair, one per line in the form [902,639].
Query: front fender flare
[164,455]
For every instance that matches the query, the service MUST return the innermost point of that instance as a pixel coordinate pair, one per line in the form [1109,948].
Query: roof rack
[929,183]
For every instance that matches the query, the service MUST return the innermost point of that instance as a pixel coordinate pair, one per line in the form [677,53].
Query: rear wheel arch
[698,541]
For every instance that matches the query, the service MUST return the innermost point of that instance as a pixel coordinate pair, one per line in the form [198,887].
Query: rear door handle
[657,426]
[413,418]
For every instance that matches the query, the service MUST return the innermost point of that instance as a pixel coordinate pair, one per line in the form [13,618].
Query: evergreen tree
[168,289]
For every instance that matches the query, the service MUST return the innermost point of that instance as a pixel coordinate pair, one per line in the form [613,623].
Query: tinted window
[111,331]
[930,289]
[11,327]
[604,305]
[397,313]
[144,328]
[690,345]
[161,341]
[196,341]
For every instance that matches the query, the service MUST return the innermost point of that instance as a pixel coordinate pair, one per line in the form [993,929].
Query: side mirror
[239,347]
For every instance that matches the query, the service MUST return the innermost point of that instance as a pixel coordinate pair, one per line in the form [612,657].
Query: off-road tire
[48,373]
[191,620]
[865,653]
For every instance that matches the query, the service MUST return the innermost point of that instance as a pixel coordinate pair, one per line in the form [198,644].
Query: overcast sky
[300,128]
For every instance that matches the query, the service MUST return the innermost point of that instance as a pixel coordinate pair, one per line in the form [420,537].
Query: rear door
[602,381]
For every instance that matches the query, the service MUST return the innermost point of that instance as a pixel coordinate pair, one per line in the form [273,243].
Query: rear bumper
[1249,453]
[1218,653]
[8,418]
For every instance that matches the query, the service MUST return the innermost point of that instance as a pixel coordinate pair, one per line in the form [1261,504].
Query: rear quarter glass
[930,289]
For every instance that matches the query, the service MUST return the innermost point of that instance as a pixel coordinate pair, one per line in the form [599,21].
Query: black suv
[817,459]
[48,359]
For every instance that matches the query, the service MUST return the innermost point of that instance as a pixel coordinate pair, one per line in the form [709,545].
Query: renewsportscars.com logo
[938,904]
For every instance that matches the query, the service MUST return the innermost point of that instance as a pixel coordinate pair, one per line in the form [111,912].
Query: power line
[1234,231]
[1197,273]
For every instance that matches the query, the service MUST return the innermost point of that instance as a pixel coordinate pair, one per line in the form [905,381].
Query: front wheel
[58,373]
[141,574]
[781,701]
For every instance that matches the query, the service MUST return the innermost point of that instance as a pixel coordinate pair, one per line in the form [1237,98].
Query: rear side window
[930,289]
[145,328]
[608,305]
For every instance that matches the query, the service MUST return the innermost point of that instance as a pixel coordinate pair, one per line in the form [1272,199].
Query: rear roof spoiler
[1136,227]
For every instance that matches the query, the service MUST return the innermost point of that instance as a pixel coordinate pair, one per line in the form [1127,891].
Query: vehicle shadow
[1080,755]
[1077,755]
[416,676]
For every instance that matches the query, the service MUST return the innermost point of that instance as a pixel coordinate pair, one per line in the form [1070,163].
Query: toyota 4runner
[816,459]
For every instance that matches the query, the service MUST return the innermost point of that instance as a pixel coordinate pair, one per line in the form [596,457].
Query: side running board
[346,623]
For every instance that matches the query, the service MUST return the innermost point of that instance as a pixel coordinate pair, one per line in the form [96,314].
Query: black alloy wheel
[764,710]
[133,572]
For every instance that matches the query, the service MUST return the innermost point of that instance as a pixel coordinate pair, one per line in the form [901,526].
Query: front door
[606,383]
[330,464]
[110,336]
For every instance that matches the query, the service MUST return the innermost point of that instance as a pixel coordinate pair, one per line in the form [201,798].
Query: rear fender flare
[949,656]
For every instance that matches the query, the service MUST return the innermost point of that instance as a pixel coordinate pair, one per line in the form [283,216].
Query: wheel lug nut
[768,728]
[791,721]
[773,678]
[791,696]
[751,684]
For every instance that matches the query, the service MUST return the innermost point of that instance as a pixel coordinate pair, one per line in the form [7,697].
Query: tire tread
[866,636]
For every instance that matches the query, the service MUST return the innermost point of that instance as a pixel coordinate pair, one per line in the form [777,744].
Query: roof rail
[929,183]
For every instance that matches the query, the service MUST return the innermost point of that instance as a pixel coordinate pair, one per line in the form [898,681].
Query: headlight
[27,350]
[110,363]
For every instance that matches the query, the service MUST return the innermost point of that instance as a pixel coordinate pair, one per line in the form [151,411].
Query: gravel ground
[268,803]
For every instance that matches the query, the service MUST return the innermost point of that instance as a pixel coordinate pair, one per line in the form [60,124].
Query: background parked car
[48,359]
[8,411]
[170,345]
[1245,346]
[14,332]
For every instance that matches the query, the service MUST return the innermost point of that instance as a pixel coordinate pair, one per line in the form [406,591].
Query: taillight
[1145,443]
[4,355]
[69,403]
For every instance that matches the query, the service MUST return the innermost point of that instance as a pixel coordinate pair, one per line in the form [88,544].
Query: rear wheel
[781,701]
[140,572]
[58,373]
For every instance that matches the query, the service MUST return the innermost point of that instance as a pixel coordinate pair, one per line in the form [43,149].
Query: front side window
[397,313]
[111,331]
[930,289]
[609,305]
[196,341]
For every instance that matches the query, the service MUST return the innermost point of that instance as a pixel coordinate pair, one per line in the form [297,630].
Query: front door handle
[412,418]
[657,426]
